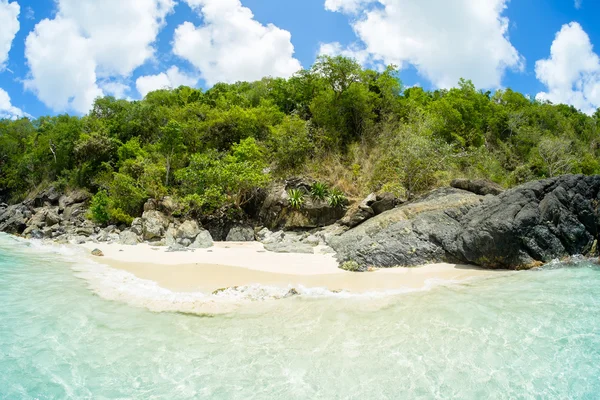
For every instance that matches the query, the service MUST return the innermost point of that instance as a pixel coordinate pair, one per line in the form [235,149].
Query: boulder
[384,202]
[187,230]
[73,197]
[290,247]
[129,238]
[52,217]
[155,224]
[137,226]
[240,233]
[74,211]
[359,213]
[203,240]
[481,187]
[14,219]
[97,253]
[48,197]
[275,211]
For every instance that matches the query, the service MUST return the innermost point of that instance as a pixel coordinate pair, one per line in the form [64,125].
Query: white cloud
[572,72]
[171,79]
[7,110]
[444,40]
[578,4]
[9,26]
[116,89]
[232,46]
[90,42]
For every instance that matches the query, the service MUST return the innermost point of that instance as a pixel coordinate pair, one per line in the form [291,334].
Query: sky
[57,56]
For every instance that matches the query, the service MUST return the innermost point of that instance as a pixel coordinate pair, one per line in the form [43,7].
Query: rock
[52,217]
[203,240]
[168,205]
[292,292]
[384,202]
[73,197]
[481,187]
[536,222]
[154,225]
[356,215]
[290,247]
[129,238]
[150,205]
[74,211]
[137,226]
[520,228]
[14,219]
[275,211]
[240,233]
[412,234]
[48,197]
[188,230]
[97,253]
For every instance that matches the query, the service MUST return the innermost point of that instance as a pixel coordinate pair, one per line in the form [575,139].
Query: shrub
[118,216]
[296,198]
[319,191]
[352,266]
[336,198]
[99,208]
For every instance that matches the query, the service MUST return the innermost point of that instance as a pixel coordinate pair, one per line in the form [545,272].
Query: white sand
[238,264]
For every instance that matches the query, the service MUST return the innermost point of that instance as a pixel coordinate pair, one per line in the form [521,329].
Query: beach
[231,264]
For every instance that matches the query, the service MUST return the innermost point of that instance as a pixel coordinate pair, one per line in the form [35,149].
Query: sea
[73,329]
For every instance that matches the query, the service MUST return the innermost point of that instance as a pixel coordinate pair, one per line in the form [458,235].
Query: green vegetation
[346,127]
[319,191]
[296,198]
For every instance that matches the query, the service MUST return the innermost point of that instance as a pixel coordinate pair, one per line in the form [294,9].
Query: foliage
[356,128]
[319,191]
[296,198]
[352,266]
[100,207]
[336,198]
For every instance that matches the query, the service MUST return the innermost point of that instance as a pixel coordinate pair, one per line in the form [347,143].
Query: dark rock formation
[374,204]
[240,233]
[481,186]
[412,234]
[520,228]
[276,212]
[14,219]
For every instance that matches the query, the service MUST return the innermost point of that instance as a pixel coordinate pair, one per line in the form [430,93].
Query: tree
[171,144]
[557,156]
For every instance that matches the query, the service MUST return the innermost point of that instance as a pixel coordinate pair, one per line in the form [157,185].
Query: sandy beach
[239,264]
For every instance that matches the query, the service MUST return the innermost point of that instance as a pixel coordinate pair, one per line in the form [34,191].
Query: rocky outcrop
[412,234]
[153,225]
[520,228]
[14,219]
[374,204]
[240,233]
[276,213]
[481,186]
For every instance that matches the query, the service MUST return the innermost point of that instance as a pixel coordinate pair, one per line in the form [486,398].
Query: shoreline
[234,264]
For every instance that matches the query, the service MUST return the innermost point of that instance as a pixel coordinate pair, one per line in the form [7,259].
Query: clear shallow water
[527,335]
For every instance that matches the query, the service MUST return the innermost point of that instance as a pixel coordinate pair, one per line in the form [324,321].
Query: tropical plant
[296,198]
[319,191]
[100,207]
[336,198]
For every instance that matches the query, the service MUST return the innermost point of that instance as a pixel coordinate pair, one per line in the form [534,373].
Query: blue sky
[66,52]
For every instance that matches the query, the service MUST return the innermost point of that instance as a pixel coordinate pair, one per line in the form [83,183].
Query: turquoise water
[527,335]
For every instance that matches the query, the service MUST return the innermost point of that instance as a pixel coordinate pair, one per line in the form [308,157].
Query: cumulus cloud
[443,40]
[7,110]
[171,79]
[232,46]
[9,26]
[572,72]
[87,42]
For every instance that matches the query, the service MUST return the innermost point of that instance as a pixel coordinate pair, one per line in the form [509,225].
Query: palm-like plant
[296,198]
[319,191]
[336,198]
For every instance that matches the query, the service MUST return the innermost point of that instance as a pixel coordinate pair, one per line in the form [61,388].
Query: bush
[319,191]
[352,266]
[296,198]
[118,217]
[99,208]
[336,198]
